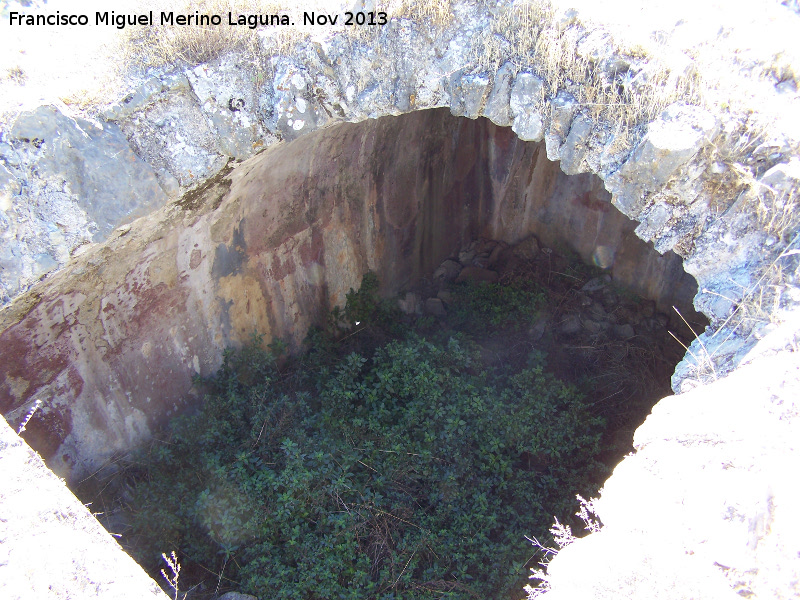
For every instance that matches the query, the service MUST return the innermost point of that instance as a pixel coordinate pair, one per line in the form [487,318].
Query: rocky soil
[615,345]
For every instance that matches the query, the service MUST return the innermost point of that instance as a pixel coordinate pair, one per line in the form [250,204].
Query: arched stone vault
[271,245]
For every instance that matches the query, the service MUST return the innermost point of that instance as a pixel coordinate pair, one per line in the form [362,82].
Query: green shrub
[405,473]
[496,303]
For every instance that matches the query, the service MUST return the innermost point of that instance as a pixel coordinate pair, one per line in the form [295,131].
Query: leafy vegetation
[495,302]
[397,468]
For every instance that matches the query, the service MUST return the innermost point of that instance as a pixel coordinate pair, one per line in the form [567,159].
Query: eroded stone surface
[704,509]
[670,143]
[525,97]
[68,182]
[173,135]
[50,544]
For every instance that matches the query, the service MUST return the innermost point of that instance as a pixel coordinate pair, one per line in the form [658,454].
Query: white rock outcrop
[707,506]
[50,544]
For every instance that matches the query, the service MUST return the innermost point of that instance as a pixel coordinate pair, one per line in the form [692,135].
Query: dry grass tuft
[434,13]
[16,75]
[86,99]
[704,366]
[175,570]
[777,211]
[563,537]
[533,33]
[196,44]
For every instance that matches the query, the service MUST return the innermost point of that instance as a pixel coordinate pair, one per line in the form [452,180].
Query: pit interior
[444,211]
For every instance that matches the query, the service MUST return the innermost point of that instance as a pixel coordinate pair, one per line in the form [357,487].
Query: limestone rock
[468,93]
[591,326]
[69,182]
[135,100]
[624,331]
[465,257]
[9,155]
[53,547]
[596,46]
[611,565]
[730,510]
[783,177]
[485,246]
[410,304]
[710,464]
[583,299]
[168,183]
[565,17]
[597,312]
[498,250]
[671,142]
[8,188]
[294,111]
[773,150]
[481,260]
[236,596]
[609,299]
[570,325]
[539,327]
[95,165]
[596,283]
[525,96]
[44,263]
[574,149]
[168,107]
[446,296]
[173,133]
[562,108]
[653,221]
[228,97]
[497,107]
[527,249]
[147,93]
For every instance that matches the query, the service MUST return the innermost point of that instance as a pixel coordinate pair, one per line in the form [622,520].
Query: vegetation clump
[496,303]
[376,465]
